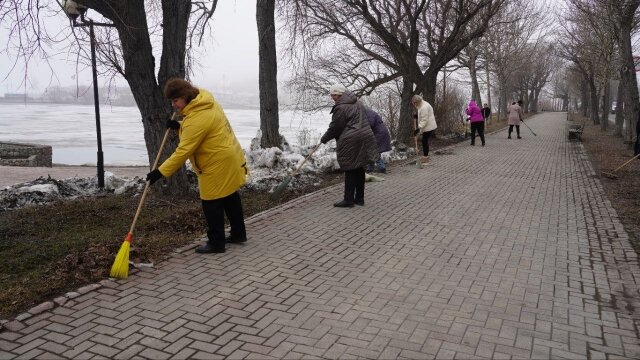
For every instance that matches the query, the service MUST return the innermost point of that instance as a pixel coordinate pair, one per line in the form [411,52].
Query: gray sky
[230,57]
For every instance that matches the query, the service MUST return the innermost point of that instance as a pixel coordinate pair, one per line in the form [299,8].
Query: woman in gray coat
[356,144]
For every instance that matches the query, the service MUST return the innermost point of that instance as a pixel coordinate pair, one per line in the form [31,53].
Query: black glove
[154,176]
[415,132]
[172,124]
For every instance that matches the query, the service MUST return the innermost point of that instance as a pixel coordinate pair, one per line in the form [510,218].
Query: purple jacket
[474,112]
[383,139]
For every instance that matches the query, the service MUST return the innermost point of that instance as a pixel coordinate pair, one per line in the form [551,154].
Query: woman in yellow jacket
[208,142]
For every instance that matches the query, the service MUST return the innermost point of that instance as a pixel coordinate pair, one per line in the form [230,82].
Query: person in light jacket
[477,121]
[356,144]
[515,116]
[426,123]
[209,143]
[383,139]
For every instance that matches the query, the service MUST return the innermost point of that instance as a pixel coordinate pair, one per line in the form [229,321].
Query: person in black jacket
[355,142]
[486,112]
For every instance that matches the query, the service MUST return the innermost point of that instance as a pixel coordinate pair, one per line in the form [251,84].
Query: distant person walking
[426,123]
[383,139]
[207,140]
[514,118]
[356,144]
[486,113]
[477,122]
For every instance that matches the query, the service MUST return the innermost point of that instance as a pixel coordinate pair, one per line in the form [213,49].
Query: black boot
[235,240]
[209,249]
[343,203]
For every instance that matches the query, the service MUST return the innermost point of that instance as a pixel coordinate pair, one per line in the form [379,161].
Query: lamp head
[73,9]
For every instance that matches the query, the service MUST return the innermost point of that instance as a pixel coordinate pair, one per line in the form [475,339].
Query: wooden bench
[575,131]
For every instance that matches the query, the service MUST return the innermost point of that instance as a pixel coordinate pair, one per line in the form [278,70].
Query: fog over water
[71,130]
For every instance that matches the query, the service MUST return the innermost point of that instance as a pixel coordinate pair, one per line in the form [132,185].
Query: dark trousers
[425,142]
[214,211]
[517,130]
[479,127]
[354,185]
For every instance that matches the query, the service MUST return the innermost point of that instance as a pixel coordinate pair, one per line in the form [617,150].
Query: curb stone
[16,324]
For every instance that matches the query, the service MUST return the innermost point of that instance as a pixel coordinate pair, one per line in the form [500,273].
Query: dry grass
[607,152]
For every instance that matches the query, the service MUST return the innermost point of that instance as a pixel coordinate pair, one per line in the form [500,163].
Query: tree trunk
[475,88]
[534,103]
[631,108]
[268,74]
[584,94]
[619,108]
[605,106]
[565,103]
[488,89]
[407,124]
[503,103]
[593,91]
[139,67]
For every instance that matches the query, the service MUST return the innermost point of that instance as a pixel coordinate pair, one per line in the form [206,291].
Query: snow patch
[267,169]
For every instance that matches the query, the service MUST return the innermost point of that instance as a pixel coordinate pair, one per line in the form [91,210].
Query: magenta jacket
[474,112]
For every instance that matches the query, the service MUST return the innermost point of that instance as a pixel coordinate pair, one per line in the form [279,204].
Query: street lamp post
[73,11]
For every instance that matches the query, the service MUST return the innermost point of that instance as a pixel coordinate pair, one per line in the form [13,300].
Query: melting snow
[267,169]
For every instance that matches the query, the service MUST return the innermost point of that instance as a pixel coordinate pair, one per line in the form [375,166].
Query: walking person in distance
[486,113]
[355,143]
[209,143]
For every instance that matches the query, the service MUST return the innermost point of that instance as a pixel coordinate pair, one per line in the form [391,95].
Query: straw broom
[120,267]
[612,174]
[415,140]
[277,192]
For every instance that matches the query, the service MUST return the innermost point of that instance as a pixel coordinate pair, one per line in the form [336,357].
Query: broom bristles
[120,268]
[280,188]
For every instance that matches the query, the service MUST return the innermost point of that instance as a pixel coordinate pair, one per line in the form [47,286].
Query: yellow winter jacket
[207,140]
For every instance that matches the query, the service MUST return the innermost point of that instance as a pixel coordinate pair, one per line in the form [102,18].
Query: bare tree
[625,20]
[470,57]
[365,44]
[600,25]
[127,48]
[268,74]
[513,30]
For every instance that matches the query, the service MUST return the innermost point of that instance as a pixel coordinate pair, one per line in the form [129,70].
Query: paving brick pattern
[506,251]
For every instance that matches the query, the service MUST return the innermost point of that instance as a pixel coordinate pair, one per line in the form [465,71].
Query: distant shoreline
[34,101]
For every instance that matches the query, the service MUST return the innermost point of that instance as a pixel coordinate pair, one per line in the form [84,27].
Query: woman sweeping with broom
[207,140]
[355,143]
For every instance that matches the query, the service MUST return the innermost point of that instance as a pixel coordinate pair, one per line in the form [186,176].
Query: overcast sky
[230,57]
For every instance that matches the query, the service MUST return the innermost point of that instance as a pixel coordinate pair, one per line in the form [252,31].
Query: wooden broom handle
[146,187]
[305,160]
[628,161]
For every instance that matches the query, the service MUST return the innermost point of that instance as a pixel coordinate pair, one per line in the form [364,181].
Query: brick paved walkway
[511,250]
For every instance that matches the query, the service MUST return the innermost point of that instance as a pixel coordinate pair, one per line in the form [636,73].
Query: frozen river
[71,130]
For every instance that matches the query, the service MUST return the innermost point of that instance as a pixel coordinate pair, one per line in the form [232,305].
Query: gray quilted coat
[356,144]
